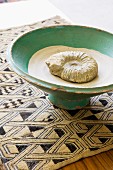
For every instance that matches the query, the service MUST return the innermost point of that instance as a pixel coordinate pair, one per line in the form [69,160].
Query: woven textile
[34,134]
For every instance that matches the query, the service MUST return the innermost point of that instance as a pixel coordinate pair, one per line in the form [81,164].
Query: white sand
[38,68]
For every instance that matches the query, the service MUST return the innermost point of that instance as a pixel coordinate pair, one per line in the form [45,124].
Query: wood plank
[102,161]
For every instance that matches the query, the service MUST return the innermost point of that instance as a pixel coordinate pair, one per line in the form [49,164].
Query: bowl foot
[68,104]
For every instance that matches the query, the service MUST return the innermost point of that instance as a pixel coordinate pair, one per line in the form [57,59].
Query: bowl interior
[73,36]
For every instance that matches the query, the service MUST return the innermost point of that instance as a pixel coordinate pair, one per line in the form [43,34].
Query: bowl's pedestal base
[68,104]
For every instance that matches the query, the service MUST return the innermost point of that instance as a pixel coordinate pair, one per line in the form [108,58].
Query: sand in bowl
[38,68]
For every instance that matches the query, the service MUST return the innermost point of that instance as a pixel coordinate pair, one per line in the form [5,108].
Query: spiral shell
[74,66]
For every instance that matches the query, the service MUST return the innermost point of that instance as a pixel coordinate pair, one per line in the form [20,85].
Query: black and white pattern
[34,134]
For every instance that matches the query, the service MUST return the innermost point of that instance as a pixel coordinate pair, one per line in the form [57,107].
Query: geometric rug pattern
[36,135]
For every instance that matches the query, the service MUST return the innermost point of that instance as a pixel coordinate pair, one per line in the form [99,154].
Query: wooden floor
[102,161]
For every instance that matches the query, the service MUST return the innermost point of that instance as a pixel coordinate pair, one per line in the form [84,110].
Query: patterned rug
[34,134]
[2,1]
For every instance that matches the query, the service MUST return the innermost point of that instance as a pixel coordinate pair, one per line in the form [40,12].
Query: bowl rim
[51,86]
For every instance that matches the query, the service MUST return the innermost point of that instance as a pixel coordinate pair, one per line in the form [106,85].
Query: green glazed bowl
[22,49]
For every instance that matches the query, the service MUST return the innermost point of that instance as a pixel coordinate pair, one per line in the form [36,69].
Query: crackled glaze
[74,66]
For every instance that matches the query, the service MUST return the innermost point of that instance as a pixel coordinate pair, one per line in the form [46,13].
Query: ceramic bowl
[69,97]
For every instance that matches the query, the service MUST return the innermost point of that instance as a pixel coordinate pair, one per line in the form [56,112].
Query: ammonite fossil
[73,66]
